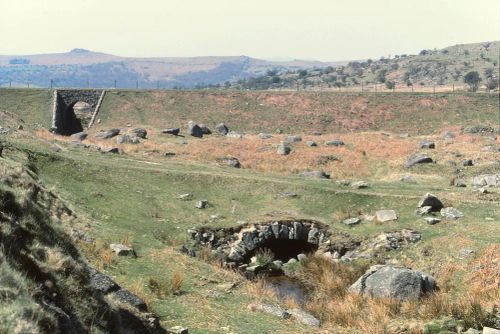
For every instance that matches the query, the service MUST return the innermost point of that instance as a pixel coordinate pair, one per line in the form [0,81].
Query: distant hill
[80,67]
[429,68]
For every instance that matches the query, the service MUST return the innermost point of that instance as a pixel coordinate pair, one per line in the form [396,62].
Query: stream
[286,287]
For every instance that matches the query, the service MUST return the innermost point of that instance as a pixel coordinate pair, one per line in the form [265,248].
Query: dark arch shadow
[68,122]
[283,249]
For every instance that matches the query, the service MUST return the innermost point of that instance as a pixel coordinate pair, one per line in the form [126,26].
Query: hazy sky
[312,29]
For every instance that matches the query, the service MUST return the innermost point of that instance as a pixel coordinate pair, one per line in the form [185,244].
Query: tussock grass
[328,282]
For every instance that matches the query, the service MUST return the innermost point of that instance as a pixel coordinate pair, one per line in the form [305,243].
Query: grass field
[134,196]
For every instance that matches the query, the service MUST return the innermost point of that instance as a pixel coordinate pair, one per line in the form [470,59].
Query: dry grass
[98,253]
[365,155]
[261,290]
[330,302]
[484,274]
[163,288]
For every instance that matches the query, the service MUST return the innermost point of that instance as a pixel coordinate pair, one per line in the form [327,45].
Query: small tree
[472,79]
[381,75]
[492,84]
[390,84]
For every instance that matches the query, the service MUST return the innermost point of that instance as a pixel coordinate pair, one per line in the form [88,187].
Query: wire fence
[158,85]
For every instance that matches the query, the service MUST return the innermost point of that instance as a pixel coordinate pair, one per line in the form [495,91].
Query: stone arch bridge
[67,120]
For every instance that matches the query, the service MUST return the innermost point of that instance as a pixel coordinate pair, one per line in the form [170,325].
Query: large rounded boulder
[385,281]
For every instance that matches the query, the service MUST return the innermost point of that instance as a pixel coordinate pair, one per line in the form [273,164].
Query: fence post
[28,84]
[157,84]
[115,84]
[51,83]
[10,83]
[137,84]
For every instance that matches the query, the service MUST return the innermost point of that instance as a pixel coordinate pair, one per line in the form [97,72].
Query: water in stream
[286,287]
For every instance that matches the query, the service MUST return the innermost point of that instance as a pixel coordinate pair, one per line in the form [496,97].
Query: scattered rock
[230,161]
[315,175]
[102,283]
[140,133]
[194,130]
[304,317]
[233,134]
[432,201]
[121,250]
[79,136]
[360,185]
[127,297]
[447,135]
[324,159]
[427,144]
[107,134]
[114,150]
[271,309]
[171,131]
[417,159]
[432,220]
[202,204]
[265,135]
[424,210]
[479,129]
[284,149]
[335,142]
[316,133]
[311,143]
[465,253]
[178,330]
[467,163]
[451,213]
[403,135]
[351,221]
[205,130]
[407,178]
[169,154]
[301,257]
[386,215]
[293,139]
[486,180]
[185,197]
[222,129]
[126,139]
[286,194]
[386,281]
[459,183]
[489,330]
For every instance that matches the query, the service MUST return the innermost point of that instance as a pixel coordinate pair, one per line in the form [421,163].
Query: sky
[326,30]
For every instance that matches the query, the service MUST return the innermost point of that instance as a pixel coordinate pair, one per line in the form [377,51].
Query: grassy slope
[265,111]
[155,219]
[33,106]
[298,112]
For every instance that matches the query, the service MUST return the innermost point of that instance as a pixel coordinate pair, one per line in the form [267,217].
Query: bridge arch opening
[283,249]
[69,121]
